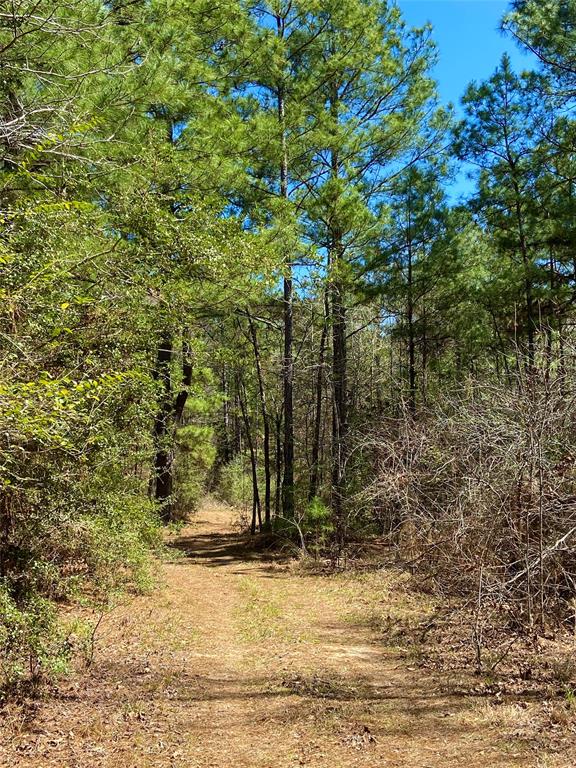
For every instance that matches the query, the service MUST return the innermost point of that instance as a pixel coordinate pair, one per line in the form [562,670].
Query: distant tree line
[231,261]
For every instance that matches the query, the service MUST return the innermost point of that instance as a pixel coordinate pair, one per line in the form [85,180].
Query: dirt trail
[236,661]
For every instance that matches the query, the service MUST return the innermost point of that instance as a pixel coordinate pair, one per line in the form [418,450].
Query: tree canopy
[232,262]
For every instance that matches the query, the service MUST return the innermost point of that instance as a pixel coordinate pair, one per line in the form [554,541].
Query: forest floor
[242,660]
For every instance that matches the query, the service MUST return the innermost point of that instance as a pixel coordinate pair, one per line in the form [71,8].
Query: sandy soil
[239,661]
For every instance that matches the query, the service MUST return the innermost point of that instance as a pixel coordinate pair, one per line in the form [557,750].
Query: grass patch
[260,617]
[264,615]
[382,602]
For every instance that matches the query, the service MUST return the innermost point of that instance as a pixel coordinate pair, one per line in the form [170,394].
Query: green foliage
[30,643]
[235,485]
[195,457]
[548,29]
[105,242]
[317,525]
[163,168]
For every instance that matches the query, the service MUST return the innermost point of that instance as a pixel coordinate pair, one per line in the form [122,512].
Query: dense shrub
[195,448]
[235,486]
[481,496]
[75,522]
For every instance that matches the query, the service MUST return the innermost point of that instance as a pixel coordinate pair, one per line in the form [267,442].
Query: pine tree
[504,118]
[413,264]
[547,29]
[373,99]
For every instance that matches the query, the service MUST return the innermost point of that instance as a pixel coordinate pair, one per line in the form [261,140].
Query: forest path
[236,661]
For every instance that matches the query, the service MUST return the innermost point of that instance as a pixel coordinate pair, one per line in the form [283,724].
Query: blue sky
[470,44]
[470,47]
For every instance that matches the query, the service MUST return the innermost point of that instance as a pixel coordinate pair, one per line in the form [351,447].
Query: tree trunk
[288,376]
[266,424]
[164,456]
[340,405]
[256,506]
[278,487]
[531,320]
[339,349]
[168,418]
[424,376]
[411,330]
[314,468]
[288,358]
[182,396]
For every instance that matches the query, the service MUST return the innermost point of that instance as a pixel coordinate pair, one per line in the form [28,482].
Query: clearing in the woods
[240,660]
